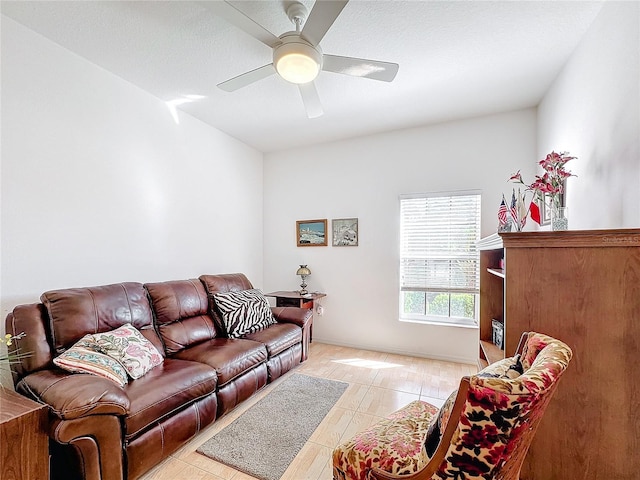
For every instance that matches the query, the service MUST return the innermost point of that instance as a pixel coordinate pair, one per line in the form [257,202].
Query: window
[439,260]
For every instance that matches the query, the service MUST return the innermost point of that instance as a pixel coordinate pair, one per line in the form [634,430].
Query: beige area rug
[264,440]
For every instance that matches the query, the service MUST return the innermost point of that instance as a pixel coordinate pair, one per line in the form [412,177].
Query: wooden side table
[294,299]
[24,451]
[285,298]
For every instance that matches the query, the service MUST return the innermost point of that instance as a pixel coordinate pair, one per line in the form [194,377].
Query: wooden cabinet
[24,444]
[582,287]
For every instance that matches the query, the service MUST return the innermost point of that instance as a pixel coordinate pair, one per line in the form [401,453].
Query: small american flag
[514,207]
[502,212]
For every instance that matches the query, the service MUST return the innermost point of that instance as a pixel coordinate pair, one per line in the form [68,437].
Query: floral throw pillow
[244,312]
[85,356]
[129,347]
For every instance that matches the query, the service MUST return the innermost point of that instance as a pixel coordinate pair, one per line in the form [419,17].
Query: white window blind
[438,242]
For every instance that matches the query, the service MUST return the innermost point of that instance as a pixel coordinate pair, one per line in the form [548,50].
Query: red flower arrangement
[552,181]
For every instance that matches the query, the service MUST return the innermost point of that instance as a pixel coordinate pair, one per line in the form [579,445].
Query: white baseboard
[377,348]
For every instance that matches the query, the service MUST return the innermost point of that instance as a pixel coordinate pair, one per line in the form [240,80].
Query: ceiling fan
[297,56]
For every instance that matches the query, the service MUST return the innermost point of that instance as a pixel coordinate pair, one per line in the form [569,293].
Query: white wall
[363,178]
[593,111]
[100,185]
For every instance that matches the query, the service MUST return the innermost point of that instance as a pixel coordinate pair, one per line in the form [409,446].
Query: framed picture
[345,232]
[545,211]
[311,233]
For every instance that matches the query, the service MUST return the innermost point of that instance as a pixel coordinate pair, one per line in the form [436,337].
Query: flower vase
[559,219]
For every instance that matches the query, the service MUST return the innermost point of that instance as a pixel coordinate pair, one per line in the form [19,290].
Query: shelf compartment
[498,272]
[491,352]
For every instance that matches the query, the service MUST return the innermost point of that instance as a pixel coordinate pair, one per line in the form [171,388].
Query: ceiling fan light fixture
[297,68]
[296,61]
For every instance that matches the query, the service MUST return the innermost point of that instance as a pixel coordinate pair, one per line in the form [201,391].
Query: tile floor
[379,383]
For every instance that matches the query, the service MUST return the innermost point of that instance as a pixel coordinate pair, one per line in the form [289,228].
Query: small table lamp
[304,272]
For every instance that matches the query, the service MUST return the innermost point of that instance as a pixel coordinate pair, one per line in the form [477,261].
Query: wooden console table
[25,444]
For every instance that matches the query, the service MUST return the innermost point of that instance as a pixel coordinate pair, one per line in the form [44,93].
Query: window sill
[439,323]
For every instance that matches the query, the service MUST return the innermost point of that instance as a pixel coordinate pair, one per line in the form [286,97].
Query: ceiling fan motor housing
[297,60]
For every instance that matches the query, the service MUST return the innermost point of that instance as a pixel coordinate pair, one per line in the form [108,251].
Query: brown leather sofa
[99,430]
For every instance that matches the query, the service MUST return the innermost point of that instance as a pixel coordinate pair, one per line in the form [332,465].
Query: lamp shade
[303,270]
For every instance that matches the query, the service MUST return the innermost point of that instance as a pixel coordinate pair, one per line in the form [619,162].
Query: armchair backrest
[494,420]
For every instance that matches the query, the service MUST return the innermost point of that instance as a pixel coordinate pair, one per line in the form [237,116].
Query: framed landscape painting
[311,233]
[345,232]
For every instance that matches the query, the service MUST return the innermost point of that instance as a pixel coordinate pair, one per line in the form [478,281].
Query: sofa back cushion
[74,312]
[181,313]
[224,283]
[228,282]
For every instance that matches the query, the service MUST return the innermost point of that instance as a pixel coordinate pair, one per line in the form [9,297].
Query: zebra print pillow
[244,312]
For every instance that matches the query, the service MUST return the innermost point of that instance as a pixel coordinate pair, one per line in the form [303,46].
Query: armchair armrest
[522,343]
[298,316]
[72,396]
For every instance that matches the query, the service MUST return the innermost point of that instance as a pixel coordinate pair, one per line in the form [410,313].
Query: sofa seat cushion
[278,337]
[230,357]
[169,387]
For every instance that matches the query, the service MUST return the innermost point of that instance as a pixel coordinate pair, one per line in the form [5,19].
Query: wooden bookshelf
[491,352]
[582,287]
[492,279]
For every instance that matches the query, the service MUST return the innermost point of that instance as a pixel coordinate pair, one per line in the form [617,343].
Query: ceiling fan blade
[237,18]
[247,78]
[359,67]
[311,99]
[322,16]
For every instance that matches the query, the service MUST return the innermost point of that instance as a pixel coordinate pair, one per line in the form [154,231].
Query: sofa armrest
[72,396]
[91,446]
[299,316]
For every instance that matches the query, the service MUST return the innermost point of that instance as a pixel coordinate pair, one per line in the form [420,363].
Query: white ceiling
[457,59]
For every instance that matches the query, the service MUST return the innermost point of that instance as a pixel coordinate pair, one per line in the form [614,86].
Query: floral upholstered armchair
[482,432]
